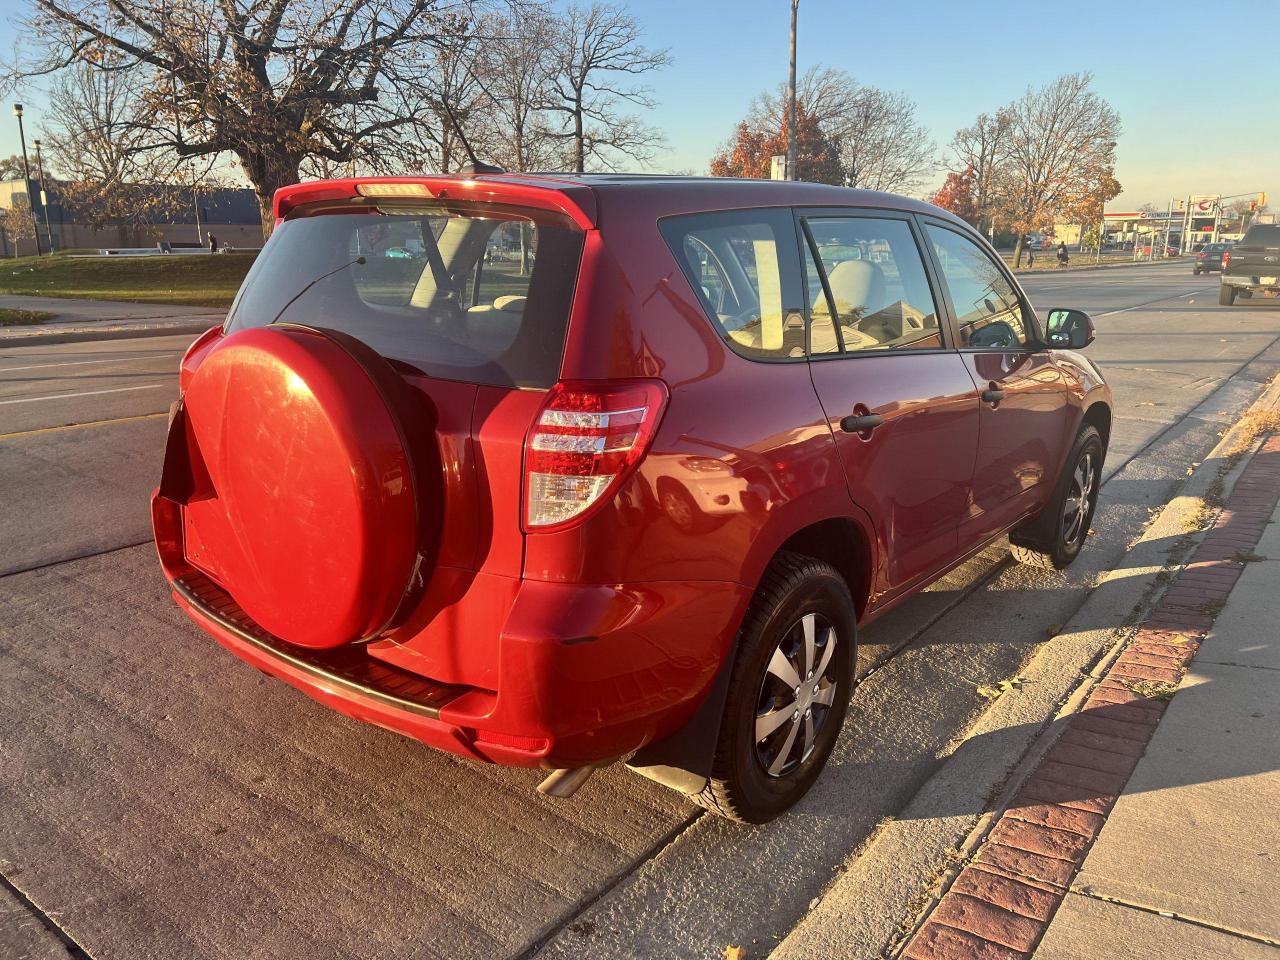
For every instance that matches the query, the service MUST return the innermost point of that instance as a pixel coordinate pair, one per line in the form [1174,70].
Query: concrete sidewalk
[1187,863]
[102,319]
[1150,830]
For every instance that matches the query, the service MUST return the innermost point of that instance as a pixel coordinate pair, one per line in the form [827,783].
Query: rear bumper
[566,696]
[1254,282]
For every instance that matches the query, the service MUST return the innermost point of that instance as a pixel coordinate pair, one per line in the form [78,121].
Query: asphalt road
[160,798]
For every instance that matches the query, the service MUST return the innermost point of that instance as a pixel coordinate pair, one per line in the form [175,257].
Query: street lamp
[26,175]
[44,196]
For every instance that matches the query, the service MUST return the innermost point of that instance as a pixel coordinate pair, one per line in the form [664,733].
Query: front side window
[740,266]
[868,289]
[988,310]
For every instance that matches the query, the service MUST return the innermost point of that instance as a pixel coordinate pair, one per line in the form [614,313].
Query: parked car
[630,504]
[1252,266]
[1210,258]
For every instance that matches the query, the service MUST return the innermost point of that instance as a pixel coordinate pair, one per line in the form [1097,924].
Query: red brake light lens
[588,437]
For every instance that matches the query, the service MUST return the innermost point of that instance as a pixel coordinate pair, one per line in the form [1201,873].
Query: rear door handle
[992,396]
[862,424]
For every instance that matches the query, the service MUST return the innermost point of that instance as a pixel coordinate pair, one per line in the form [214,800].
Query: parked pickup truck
[1252,265]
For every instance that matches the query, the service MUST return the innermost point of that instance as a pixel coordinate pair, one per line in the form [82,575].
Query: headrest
[856,284]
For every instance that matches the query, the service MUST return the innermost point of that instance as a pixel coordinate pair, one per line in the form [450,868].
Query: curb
[132,332]
[1024,271]
[1003,900]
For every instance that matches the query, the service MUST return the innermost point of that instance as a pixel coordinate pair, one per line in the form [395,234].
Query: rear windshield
[467,292]
[1263,235]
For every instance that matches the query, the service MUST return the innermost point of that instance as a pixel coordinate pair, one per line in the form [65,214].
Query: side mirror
[1072,329]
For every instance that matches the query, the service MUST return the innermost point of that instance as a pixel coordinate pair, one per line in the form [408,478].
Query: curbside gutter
[1025,272]
[894,881]
[31,336]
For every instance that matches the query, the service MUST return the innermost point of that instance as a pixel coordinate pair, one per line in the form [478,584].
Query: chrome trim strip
[311,669]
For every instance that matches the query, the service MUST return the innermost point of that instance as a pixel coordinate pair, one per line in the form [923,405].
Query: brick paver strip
[1002,902]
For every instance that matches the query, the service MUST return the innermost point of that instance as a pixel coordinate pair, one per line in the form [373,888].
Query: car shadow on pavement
[1108,741]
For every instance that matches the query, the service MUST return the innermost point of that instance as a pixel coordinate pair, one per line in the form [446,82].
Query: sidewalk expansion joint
[1174,915]
[1003,899]
[80,556]
[74,949]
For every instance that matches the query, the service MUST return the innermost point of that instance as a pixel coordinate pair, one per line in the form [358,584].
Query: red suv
[555,471]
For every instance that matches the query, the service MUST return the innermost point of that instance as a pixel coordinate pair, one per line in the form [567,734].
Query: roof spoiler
[577,201]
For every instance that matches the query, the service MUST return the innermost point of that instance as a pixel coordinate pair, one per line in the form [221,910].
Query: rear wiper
[360,261]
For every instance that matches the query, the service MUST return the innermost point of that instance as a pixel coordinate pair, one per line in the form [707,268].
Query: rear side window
[742,265]
[869,289]
[461,291]
[1262,235]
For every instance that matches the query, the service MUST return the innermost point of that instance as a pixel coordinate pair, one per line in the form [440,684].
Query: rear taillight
[588,437]
[1226,259]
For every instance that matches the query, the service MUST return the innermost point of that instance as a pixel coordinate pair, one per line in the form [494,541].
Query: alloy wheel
[796,695]
[1075,511]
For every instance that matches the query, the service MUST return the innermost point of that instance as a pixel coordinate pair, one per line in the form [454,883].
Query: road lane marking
[77,426]
[77,363]
[83,393]
[1176,296]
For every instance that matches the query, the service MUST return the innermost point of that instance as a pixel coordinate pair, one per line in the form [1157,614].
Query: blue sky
[1197,84]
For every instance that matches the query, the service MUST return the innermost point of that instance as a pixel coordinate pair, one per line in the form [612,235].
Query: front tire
[788,692]
[1052,539]
[1226,295]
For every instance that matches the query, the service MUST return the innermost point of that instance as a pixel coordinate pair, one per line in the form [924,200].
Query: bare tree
[17,222]
[880,144]
[597,53]
[272,82]
[984,148]
[1062,147]
[516,67]
[11,167]
[102,146]
[883,147]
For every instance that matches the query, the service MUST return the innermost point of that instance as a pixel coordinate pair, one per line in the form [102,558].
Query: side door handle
[992,396]
[861,424]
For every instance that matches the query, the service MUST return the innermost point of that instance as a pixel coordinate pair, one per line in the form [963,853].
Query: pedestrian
[1062,254]
[213,243]
[1031,258]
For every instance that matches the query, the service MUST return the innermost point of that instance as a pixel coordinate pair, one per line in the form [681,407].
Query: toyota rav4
[558,471]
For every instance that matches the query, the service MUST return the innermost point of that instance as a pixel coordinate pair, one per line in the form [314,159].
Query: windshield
[461,291]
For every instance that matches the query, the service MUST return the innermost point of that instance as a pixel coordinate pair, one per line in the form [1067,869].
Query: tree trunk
[268,171]
[579,148]
[1017,252]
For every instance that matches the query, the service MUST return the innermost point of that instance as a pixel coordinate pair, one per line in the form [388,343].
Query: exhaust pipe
[565,783]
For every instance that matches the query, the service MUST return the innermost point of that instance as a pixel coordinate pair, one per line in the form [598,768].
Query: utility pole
[44,196]
[791,98]
[26,177]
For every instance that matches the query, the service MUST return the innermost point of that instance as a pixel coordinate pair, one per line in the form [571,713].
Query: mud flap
[683,760]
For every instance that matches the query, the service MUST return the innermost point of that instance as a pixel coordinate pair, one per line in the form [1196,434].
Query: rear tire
[1053,538]
[1226,295]
[791,679]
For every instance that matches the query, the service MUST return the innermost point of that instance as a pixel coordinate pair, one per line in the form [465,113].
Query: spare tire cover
[312,520]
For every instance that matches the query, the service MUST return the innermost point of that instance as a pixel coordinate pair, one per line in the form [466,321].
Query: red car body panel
[580,645]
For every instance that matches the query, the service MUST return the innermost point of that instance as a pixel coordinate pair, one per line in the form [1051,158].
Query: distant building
[231,213]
